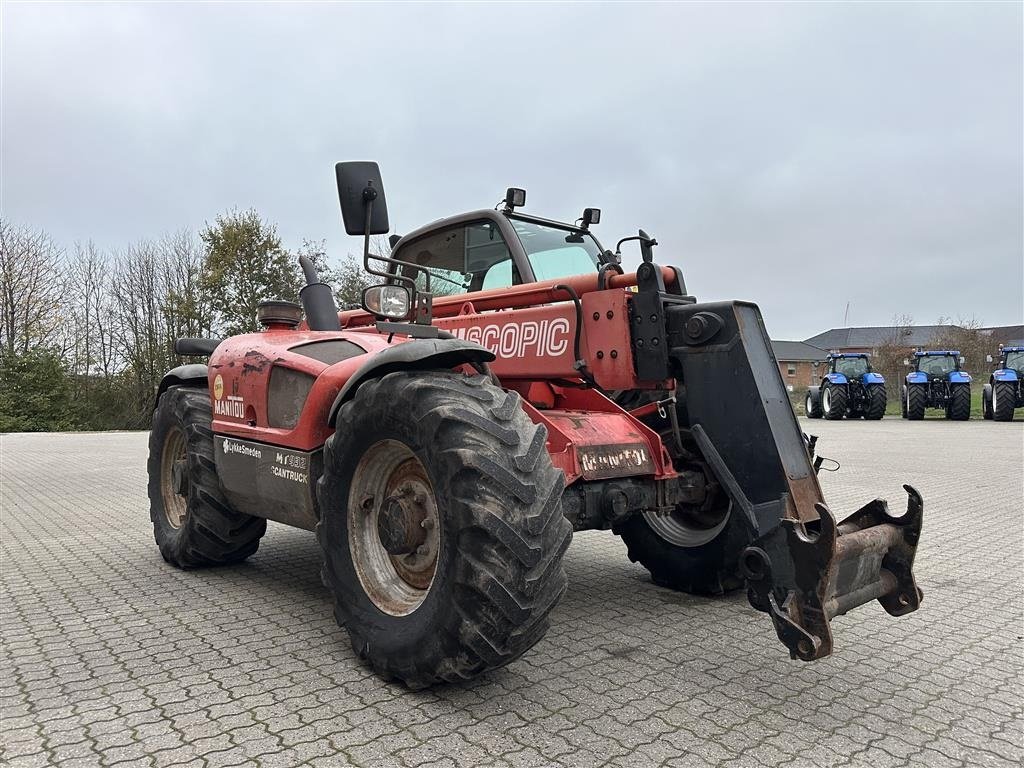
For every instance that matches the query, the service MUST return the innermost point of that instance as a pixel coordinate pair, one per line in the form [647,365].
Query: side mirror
[961,359]
[390,301]
[591,216]
[906,362]
[988,358]
[361,193]
[814,364]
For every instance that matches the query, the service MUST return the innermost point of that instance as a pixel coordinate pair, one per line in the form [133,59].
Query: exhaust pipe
[317,300]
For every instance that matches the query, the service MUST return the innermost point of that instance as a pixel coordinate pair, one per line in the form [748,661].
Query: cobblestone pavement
[111,657]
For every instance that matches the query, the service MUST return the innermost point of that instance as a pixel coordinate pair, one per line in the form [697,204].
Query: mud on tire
[197,527]
[498,569]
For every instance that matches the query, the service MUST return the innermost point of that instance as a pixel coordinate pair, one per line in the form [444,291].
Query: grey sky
[800,156]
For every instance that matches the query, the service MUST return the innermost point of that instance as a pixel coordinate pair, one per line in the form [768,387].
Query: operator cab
[496,248]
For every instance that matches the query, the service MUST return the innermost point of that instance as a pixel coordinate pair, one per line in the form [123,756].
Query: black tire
[833,402]
[986,402]
[876,402]
[916,401]
[708,569]
[959,403]
[1003,399]
[812,405]
[199,527]
[497,568]
[903,401]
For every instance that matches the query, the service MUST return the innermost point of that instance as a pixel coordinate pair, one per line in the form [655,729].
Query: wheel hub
[394,528]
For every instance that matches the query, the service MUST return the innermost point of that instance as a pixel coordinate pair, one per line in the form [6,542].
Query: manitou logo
[547,338]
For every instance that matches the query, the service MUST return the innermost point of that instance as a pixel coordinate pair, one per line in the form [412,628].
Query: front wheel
[986,402]
[1004,398]
[812,404]
[959,403]
[917,400]
[833,402]
[441,526]
[876,402]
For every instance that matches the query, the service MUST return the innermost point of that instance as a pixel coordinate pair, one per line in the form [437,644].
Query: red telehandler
[505,384]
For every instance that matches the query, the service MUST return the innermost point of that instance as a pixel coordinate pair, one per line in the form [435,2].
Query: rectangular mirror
[353,179]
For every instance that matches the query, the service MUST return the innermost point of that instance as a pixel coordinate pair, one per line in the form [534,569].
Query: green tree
[244,265]
[35,392]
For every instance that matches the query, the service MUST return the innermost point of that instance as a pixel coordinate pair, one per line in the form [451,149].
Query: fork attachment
[804,574]
[801,567]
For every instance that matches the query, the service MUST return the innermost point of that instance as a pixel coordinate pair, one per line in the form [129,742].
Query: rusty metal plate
[599,462]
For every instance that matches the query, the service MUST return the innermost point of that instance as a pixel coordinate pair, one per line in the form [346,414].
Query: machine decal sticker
[233,406]
[218,387]
[548,338]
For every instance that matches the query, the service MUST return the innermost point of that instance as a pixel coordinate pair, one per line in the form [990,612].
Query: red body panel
[589,436]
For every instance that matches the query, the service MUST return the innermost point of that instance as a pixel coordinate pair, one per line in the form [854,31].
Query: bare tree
[890,354]
[966,336]
[31,286]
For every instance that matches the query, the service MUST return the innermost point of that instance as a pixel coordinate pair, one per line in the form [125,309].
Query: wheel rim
[684,529]
[174,477]
[826,400]
[807,405]
[394,529]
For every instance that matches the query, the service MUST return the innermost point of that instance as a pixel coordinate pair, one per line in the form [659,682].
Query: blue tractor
[1005,390]
[848,388]
[937,382]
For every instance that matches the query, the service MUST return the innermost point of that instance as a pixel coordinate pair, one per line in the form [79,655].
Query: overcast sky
[800,156]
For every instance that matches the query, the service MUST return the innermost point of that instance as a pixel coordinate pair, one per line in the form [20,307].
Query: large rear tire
[470,590]
[833,402]
[876,402]
[917,400]
[1003,400]
[193,523]
[959,403]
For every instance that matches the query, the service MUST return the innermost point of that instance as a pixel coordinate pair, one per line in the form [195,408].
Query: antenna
[846,316]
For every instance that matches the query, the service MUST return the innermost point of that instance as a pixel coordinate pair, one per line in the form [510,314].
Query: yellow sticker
[218,387]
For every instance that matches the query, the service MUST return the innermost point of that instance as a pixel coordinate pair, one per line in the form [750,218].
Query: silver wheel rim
[682,531]
[389,472]
[807,404]
[174,459]
[826,400]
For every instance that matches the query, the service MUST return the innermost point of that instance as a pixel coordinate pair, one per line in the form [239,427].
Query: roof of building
[796,351]
[869,337]
[873,336]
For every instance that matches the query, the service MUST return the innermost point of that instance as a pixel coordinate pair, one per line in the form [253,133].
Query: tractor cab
[1005,389]
[850,365]
[502,247]
[937,365]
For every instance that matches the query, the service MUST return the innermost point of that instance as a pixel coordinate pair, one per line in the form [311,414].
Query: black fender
[815,393]
[416,354]
[191,375]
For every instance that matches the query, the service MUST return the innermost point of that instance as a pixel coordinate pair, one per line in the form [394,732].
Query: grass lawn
[893,408]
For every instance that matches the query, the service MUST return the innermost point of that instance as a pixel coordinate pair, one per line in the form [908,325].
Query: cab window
[463,258]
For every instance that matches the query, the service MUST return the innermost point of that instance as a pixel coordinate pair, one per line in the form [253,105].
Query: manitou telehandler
[505,384]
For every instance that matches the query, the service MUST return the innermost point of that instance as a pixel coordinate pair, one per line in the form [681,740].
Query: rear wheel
[1003,400]
[959,403]
[193,523]
[876,402]
[986,402]
[441,526]
[833,402]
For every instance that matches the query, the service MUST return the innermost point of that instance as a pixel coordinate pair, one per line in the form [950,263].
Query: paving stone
[108,656]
